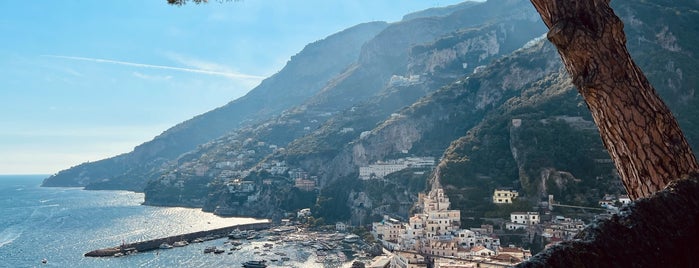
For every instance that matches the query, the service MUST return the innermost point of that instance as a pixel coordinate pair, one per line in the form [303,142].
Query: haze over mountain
[106,77]
[300,78]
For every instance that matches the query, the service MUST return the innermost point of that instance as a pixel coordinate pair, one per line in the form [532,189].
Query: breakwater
[154,244]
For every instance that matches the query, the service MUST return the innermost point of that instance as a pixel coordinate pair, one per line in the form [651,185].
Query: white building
[305,185]
[624,199]
[440,220]
[522,220]
[381,169]
[388,229]
[528,218]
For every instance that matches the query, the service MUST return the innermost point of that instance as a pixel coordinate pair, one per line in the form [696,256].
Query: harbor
[153,244]
[254,245]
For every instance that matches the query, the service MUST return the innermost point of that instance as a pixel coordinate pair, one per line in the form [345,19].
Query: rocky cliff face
[467,49]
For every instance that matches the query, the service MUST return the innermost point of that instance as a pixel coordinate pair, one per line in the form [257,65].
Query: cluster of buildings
[381,169]
[562,229]
[552,228]
[434,235]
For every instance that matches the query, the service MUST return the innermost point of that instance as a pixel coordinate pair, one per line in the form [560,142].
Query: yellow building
[504,196]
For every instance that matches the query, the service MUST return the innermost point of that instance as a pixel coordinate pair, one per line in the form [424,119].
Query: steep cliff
[467,49]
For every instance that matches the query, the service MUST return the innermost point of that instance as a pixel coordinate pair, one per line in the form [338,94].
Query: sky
[86,80]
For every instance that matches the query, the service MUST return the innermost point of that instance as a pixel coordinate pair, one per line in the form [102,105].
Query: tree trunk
[639,131]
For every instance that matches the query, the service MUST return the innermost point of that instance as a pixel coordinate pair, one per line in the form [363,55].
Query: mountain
[438,11]
[304,75]
[403,63]
[476,87]
[516,122]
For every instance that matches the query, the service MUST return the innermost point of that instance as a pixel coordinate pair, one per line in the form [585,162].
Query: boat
[44,261]
[208,237]
[252,235]
[197,240]
[165,246]
[180,243]
[255,264]
[210,249]
[351,238]
[284,229]
[219,251]
[238,234]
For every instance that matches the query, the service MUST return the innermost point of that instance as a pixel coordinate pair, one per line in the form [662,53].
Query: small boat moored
[255,264]
[352,238]
[180,243]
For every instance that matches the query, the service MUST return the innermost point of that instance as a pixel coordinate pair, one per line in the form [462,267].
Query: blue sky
[85,80]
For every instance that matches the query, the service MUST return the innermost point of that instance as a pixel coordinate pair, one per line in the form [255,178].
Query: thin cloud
[162,67]
[197,63]
[152,77]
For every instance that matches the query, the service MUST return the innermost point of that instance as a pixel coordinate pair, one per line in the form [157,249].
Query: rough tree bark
[639,131]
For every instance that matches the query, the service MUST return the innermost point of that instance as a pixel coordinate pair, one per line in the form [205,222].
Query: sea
[59,225]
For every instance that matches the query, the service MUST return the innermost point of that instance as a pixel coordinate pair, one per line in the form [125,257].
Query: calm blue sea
[61,224]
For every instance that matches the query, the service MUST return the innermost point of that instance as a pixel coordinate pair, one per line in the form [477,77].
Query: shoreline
[153,244]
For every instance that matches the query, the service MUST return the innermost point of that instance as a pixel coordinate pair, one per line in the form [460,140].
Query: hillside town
[434,236]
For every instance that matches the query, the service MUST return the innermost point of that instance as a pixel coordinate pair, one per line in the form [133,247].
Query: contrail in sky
[201,71]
